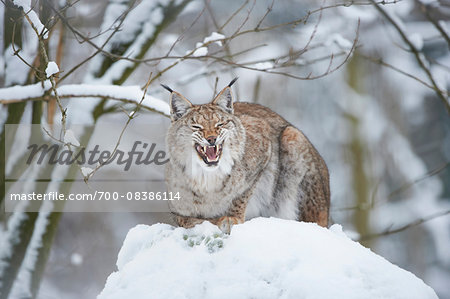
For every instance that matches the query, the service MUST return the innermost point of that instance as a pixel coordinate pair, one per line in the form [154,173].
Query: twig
[380,61]
[424,9]
[17,51]
[116,29]
[404,227]
[131,116]
[329,70]
[52,77]
[416,53]
[246,20]
[402,188]
[180,37]
[233,15]
[425,176]
[269,9]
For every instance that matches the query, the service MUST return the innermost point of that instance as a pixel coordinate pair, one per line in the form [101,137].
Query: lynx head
[209,136]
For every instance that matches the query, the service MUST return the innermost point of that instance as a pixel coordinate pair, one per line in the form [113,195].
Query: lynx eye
[196,127]
[219,125]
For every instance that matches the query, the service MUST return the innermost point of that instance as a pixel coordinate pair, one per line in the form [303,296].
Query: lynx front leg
[236,214]
[188,222]
[225,223]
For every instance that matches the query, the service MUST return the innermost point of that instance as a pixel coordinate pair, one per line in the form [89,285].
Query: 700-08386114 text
[97,195]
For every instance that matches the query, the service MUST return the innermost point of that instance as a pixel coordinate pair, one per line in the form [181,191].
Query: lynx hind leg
[304,177]
[314,204]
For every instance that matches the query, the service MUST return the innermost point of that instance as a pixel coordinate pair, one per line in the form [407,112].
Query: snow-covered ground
[262,258]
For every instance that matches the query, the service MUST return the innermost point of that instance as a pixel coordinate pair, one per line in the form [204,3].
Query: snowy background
[343,74]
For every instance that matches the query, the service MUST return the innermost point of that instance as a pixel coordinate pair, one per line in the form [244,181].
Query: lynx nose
[211,140]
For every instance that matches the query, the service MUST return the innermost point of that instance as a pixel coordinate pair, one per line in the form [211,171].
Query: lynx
[231,162]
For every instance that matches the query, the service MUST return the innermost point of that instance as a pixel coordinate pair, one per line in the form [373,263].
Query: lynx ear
[225,98]
[178,104]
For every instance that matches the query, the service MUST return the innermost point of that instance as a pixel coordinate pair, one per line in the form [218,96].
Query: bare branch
[16,52]
[425,176]
[269,9]
[233,15]
[416,53]
[116,29]
[401,188]
[425,9]
[404,227]
[329,70]
[380,61]
[180,37]
[131,116]
[245,20]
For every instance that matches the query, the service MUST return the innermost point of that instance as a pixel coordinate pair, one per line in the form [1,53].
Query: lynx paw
[188,222]
[226,222]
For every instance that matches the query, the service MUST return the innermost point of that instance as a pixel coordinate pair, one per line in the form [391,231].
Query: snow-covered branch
[127,94]
[32,17]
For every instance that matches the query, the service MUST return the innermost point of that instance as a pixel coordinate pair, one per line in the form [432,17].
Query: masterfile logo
[87,169]
[140,153]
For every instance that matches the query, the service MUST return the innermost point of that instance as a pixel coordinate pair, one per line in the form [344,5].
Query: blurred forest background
[367,82]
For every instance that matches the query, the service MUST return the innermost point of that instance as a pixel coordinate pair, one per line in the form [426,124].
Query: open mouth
[210,154]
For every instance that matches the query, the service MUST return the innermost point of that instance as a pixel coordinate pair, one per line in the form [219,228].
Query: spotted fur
[267,166]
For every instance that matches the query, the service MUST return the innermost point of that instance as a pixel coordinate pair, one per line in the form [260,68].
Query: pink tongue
[211,152]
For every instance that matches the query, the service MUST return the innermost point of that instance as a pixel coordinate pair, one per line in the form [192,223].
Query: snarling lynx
[235,161]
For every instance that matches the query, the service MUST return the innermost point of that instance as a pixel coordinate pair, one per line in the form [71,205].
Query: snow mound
[262,258]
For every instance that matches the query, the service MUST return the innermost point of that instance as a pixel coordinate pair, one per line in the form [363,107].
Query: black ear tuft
[232,81]
[167,87]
